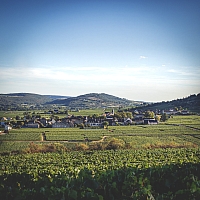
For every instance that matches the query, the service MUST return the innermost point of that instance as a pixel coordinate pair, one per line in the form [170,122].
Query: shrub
[44,148]
[115,144]
[96,146]
[81,147]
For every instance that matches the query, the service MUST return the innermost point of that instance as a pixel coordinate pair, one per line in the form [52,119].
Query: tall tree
[17,117]
[129,115]
[149,114]
[164,117]
[157,117]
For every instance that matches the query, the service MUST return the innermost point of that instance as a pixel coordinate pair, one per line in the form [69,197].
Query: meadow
[87,112]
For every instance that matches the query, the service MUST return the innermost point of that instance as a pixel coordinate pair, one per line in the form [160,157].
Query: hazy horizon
[139,50]
[95,93]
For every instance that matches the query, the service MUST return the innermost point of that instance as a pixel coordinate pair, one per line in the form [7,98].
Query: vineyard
[122,174]
[177,132]
[144,162]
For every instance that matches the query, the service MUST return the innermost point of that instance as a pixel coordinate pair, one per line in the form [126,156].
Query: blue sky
[140,50]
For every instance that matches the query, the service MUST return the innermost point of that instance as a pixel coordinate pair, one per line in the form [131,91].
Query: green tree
[124,115]
[164,117]
[17,117]
[149,114]
[129,115]
[118,115]
[105,124]
[20,124]
[95,116]
[157,117]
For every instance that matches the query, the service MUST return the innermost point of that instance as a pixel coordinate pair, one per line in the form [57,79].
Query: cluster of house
[139,119]
[74,121]
[174,112]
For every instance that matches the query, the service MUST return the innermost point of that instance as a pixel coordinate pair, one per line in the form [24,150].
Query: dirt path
[101,140]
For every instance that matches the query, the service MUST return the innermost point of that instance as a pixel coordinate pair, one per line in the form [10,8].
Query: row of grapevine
[71,138]
[11,146]
[95,160]
[121,175]
[21,137]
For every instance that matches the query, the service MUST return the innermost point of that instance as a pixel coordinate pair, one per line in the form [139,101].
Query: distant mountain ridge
[27,98]
[95,100]
[191,103]
[91,100]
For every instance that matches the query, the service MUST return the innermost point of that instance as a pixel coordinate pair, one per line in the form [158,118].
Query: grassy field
[186,120]
[13,114]
[179,131]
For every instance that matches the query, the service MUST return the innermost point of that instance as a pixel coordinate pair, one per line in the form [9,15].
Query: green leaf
[193,187]
[73,194]
[100,197]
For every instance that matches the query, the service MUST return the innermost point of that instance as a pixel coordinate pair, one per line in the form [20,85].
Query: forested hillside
[95,100]
[191,103]
[16,100]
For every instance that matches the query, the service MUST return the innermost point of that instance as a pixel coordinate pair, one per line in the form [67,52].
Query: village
[92,121]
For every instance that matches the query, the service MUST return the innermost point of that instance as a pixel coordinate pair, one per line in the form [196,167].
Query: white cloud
[184,72]
[90,74]
[143,57]
[97,79]
[172,71]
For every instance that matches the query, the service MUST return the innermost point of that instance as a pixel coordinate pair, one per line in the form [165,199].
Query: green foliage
[123,114]
[164,117]
[179,131]
[20,136]
[44,148]
[192,103]
[102,175]
[157,117]
[105,124]
[94,100]
[164,171]
[114,144]
[17,117]
[81,147]
[81,125]
[149,114]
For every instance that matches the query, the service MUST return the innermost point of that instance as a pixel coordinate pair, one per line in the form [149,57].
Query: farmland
[60,114]
[178,131]
[122,174]
[150,162]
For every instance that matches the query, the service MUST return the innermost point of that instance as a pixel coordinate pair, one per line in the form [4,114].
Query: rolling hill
[17,99]
[191,103]
[92,100]
[95,100]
